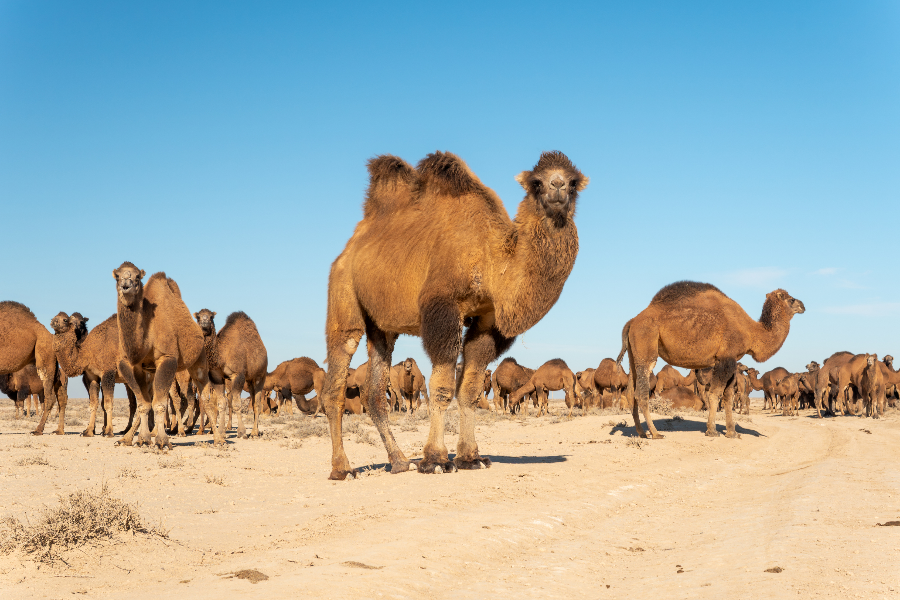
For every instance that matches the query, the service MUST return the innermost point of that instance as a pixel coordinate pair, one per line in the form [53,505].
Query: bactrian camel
[695,326]
[156,332]
[436,251]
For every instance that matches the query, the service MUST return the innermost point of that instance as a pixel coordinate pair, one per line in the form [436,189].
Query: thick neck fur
[541,257]
[131,327]
[68,353]
[211,343]
[771,330]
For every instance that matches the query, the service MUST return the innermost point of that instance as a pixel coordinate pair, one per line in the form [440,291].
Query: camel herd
[470,280]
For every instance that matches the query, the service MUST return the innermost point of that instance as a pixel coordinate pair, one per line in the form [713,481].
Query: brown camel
[787,389]
[25,389]
[608,376]
[586,389]
[292,380]
[845,376]
[485,390]
[553,375]
[865,375]
[407,383]
[236,354]
[696,326]
[156,332]
[467,266]
[356,393]
[824,382]
[890,376]
[742,390]
[769,381]
[95,358]
[682,397]
[23,340]
[507,378]
[669,377]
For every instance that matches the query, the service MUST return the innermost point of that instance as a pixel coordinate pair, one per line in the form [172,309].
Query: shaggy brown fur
[23,341]
[551,376]
[507,378]
[236,354]
[156,332]
[611,377]
[435,250]
[694,325]
[407,382]
[292,380]
[95,358]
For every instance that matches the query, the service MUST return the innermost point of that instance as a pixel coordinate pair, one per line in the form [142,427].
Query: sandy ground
[570,509]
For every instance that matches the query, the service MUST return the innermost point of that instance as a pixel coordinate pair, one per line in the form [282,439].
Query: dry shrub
[175,463]
[81,517]
[634,442]
[33,460]
[365,437]
[409,425]
[308,427]
[127,473]
[216,479]
[659,406]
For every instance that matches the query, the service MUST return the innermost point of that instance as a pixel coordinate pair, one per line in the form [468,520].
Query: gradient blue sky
[751,146]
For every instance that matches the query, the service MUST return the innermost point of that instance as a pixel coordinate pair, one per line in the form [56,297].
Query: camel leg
[728,394]
[165,375]
[219,400]
[381,348]
[93,388]
[46,373]
[237,384]
[132,409]
[339,355]
[137,381]
[481,345]
[107,388]
[256,401]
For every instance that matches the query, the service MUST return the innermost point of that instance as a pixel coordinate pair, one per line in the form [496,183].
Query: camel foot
[653,436]
[478,463]
[144,440]
[108,434]
[733,435]
[60,432]
[164,444]
[401,466]
[125,441]
[36,432]
[242,433]
[87,433]
[436,468]
[341,475]
[712,433]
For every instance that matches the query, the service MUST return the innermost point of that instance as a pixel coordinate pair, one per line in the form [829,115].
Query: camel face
[408,365]
[128,282]
[554,185]
[813,366]
[60,323]
[205,320]
[795,306]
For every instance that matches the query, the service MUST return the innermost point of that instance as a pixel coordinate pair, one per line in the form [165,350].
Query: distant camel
[586,389]
[553,375]
[507,378]
[407,383]
[695,326]
[291,381]
[612,377]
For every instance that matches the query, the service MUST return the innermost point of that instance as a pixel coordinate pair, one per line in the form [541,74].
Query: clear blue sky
[752,146]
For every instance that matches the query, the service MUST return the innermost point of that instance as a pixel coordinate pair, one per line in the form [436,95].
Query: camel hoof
[478,463]
[87,433]
[123,442]
[712,434]
[436,468]
[37,433]
[340,475]
[401,467]
[733,435]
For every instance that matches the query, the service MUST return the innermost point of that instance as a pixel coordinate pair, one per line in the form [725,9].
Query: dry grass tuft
[308,427]
[37,459]
[216,479]
[175,463]
[81,517]
[127,473]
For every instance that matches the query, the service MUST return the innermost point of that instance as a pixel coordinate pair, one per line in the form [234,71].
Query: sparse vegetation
[81,517]
[175,463]
[216,479]
[127,473]
[36,460]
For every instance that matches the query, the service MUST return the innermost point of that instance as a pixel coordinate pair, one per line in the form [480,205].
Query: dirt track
[570,509]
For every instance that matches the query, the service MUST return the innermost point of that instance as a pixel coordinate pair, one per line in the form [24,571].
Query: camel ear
[85,320]
[116,274]
[582,183]
[214,313]
[522,178]
[143,272]
[196,316]
[780,295]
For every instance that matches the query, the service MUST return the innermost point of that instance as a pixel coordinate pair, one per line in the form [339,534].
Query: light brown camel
[25,389]
[292,380]
[507,378]
[586,389]
[845,377]
[742,390]
[236,354]
[824,382]
[787,389]
[355,394]
[890,376]
[407,383]
[612,377]
[669,377]
[23,340]
[695,326]
[869,383]
[156,332]
[485,390]
[95,358]
[682,397]
[434,254]
[551,376]
[769,380]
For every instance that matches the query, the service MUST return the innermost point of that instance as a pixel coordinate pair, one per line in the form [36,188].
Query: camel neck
[68,353]
[771,331]
[211,344]
[131,328]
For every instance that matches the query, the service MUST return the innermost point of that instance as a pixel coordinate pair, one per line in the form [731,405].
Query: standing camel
[292,380]
[407,382]
[612,377]
[156,332]
[586,389]
[668,378]
[551,376]
[507,378]
[436,255]
[23,340]
[696,326]
[236,354]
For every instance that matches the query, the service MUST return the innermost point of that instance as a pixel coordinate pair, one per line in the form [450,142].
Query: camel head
[408,365]
[871,359]
[80,323]
[553,186]
[781,297]
[205,320]
[812,367]
[128,282]
[742,368]
[888,360]
[61,323]
[753,373]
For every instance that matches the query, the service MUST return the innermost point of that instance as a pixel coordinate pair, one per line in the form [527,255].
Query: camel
[682,397]
[356,393]
[407,383]
[95,358]
[845,375]
[610,376]
[507,378]
[890,376]
[787,389]
[25,389]
[586,389]
[769,381]
[695,326]
[156,332]
[485,390]
[469,279]
[870,383]
[292,380]
[23,341]
[236,354]
[824,381]
[553,375]
[742,390]
[668,378]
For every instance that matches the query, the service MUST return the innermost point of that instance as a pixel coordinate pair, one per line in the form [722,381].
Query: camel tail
[625,331]
[392,183]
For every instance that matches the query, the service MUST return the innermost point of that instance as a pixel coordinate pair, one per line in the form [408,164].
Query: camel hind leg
[340,352]
[93,387]
[107,388]
[722,383]
[237,384]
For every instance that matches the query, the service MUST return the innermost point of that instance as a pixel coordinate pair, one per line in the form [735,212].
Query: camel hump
[445,174]
[392,183]
[681,290]
[13,306]
[236,316]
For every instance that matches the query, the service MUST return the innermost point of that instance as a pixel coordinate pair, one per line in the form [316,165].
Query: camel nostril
[557,183]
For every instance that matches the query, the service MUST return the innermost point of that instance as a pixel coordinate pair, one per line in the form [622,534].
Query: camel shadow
[666,425]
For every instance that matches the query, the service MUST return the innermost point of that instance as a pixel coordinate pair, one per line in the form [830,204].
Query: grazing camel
[292,380]
[612,377]
[553,375]
[696,326]
[23,340]
[156,332]
[507,378]
[95,358]
[467,266]
[586,389]
[236,354]
[407,382]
